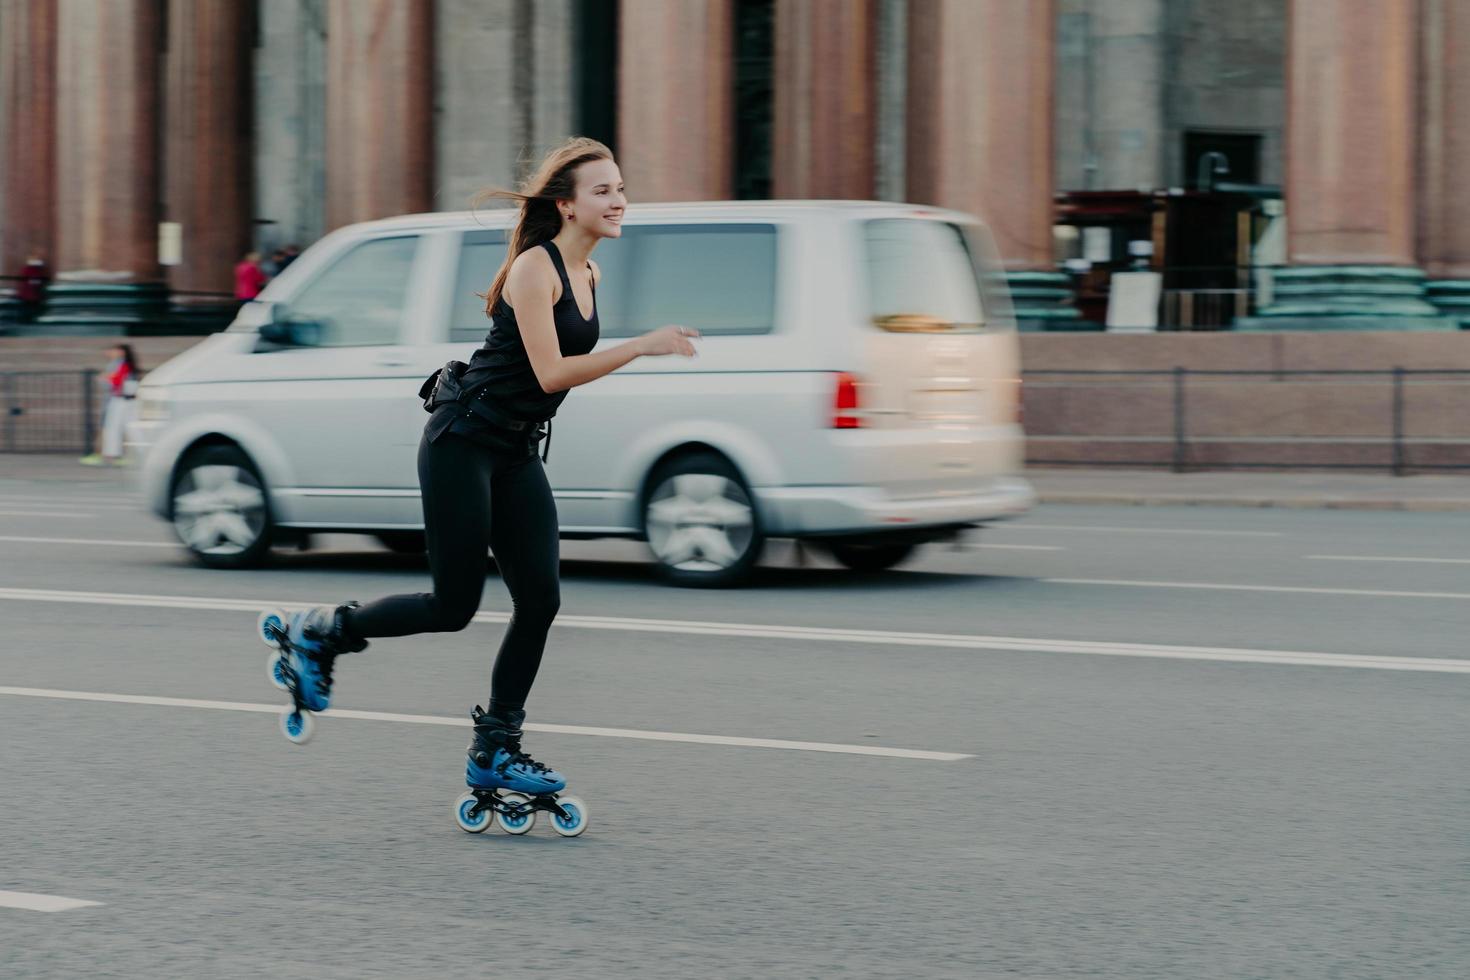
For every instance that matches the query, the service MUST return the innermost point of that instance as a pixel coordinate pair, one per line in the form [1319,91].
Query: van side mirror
[289,332]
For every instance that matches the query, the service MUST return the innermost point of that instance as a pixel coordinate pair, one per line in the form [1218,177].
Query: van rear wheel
[870,557]
[701,523]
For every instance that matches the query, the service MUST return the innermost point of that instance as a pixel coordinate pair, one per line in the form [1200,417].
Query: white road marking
[43,513]
[41,903]
[826,635]
[92,541]
[1381,593]
[1434,561]
[696,739]
[1132,530]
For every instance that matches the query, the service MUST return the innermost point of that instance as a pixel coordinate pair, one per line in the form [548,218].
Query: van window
[480,257]
[922,272]
[718,279]
[358,300]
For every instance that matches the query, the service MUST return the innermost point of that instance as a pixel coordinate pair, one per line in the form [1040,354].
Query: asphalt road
[1097,742]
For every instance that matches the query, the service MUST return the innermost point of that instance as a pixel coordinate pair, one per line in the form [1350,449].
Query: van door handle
[389,360]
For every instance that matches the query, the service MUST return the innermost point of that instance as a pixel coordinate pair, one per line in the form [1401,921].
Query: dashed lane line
[34,902]
[1427,561]
[1225,587]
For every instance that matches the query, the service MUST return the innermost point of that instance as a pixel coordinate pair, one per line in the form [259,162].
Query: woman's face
[599,204]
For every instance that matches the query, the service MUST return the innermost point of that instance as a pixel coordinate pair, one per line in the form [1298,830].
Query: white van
[857,384]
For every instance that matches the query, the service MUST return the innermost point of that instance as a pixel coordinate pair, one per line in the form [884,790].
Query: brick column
[1351,136]
[380,103]
[208,139]
[675,99]
[826,113]
[979,135]
[27,130]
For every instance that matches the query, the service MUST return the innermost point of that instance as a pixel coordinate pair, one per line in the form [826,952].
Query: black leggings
[477,498]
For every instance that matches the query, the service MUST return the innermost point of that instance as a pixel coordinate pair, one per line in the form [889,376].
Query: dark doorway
[597,70]
[1242,152]
[754,103]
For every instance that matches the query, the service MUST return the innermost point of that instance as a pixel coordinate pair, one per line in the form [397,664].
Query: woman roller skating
[484,486]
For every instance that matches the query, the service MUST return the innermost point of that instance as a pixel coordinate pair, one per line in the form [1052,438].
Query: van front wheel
[701,522]
[220,511]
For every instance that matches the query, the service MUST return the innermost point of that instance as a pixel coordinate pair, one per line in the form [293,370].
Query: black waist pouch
[446,386]
[443,385]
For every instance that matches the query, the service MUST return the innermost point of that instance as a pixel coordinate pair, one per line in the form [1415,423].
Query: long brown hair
[539,221]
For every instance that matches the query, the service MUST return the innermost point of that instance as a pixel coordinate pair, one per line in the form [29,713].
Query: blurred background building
[1278,163]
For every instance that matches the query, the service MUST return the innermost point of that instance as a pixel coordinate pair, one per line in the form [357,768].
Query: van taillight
[845,407]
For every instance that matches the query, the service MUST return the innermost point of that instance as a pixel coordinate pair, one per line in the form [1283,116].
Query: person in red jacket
[122,387]
[250,279]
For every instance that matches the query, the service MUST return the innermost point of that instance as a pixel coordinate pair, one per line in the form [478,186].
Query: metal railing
[1398,438]
[49,411]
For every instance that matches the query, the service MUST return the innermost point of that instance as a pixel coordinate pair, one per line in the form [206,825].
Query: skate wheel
[271,618]
[277,667]
[576,820]
[477,824]
[297,725]
[517,824]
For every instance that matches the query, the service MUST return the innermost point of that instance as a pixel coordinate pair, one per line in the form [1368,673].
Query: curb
[1436,505]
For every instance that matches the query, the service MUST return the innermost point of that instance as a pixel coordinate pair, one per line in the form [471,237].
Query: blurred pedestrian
[30,290]
[272,265]
[122,387]
[483,483]
[288,255]
[249,279]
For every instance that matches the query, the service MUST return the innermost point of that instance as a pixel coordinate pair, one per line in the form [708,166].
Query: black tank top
[510,385]
[503,366]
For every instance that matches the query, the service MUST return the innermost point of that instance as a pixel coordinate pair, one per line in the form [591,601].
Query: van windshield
[921,277]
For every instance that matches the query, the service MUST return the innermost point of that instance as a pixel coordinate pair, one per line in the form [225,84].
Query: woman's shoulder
[536,257]
[533,268]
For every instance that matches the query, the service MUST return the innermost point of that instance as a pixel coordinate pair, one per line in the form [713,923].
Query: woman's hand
[671,339]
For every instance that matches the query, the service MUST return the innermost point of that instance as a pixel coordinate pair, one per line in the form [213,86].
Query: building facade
[257,123]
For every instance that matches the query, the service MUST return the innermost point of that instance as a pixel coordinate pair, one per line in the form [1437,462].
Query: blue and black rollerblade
[307,649]
[507,784]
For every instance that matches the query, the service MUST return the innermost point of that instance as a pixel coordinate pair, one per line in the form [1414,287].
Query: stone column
[980,132]
[1444,143]
[27,130]
[380,95]
[208,139]
[675,99]
[1350,168]
[107,153]
[504,92]
[824,142]
[290,123]
[107,166]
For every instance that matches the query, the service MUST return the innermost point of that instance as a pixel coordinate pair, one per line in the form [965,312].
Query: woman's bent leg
[526,542]
[455,477]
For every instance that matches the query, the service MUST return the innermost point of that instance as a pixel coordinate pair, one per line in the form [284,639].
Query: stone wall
[1274,420]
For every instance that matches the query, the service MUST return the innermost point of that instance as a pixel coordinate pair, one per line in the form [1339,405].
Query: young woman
[483,483]
[122,387]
